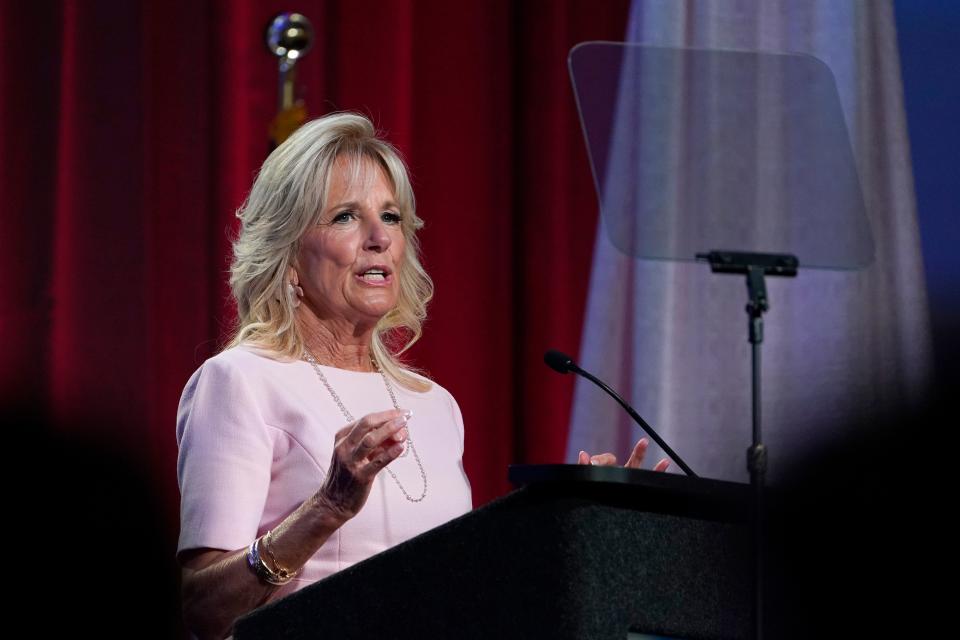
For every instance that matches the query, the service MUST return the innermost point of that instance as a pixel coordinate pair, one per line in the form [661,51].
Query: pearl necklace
[309,357]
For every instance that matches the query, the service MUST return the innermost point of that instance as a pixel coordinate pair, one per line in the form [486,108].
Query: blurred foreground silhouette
[87,543]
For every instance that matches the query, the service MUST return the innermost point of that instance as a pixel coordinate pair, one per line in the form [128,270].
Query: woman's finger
[636,456]
[603,459]
[370,422]
[383,457]
[395,434]
[371,430]
[662,465]
[392,432]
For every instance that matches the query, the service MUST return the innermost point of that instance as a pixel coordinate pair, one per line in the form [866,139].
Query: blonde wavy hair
[286,200]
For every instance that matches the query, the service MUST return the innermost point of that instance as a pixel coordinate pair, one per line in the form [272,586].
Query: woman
[276,492]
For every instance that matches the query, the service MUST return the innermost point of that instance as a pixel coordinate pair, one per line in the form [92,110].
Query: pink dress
[256,436]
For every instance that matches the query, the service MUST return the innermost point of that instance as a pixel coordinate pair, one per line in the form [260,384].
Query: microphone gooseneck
[562,363]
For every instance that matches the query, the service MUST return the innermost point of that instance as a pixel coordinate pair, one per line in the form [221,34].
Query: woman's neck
[338,344]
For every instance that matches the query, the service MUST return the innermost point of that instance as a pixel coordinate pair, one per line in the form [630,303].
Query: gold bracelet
[259,567]
[282,571]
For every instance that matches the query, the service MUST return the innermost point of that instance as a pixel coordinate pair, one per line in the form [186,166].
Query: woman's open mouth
[375,275]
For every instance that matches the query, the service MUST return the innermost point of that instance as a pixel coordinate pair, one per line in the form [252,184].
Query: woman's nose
[378,239]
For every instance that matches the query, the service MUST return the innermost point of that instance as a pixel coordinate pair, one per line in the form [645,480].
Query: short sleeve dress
[256,435]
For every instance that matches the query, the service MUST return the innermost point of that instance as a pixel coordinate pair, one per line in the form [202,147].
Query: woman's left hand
[636,458]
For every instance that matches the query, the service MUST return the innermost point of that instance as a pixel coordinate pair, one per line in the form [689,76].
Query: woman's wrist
[325,515]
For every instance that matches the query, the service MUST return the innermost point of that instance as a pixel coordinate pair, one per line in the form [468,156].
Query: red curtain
[130,134]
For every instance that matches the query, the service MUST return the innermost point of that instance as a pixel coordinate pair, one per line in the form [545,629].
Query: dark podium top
[576,552]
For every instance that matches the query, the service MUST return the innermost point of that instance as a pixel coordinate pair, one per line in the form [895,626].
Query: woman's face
[349,264]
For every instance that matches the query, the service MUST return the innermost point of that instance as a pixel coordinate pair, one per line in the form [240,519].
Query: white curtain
[839,346]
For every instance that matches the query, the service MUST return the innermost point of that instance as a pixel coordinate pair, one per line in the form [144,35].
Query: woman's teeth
[374,276]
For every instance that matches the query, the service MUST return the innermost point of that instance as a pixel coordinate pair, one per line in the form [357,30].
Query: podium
[576,552]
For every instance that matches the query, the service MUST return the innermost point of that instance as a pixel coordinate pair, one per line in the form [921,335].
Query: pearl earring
[295,292]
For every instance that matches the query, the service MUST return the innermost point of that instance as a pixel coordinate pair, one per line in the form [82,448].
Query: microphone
[562,363]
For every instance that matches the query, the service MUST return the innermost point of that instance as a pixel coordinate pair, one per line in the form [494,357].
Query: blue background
[928,34]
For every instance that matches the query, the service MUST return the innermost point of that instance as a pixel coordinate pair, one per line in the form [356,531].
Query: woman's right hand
[362,449]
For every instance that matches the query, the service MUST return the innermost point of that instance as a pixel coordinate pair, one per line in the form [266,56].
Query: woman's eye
[343,216]
[391,217]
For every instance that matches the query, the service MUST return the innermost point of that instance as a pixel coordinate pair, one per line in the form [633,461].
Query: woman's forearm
[219,587]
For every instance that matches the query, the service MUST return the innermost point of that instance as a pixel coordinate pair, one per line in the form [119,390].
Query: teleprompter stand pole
[756,266]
